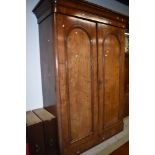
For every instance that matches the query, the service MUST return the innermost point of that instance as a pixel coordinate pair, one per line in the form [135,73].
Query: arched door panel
[77,69]
[110,77]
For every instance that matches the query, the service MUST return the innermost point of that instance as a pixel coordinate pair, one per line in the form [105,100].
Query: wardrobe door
[110,63]
[77,73]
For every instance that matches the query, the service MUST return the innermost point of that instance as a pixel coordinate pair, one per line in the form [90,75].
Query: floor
[113,143]
[123,150]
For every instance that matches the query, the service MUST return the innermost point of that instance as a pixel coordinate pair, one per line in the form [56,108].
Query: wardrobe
[82,66]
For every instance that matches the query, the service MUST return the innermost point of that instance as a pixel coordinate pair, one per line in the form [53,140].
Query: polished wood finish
[82,59]
[123,150]
[111,58]
[78,81]
[80,9]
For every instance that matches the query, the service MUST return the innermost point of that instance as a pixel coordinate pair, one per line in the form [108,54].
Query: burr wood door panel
[77,68]
[111,59]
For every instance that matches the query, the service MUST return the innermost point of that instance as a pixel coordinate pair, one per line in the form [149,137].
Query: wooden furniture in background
[82,65]
[50,131]
[42,136]
[34,133]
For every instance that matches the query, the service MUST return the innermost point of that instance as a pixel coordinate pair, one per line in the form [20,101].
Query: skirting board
[113,143]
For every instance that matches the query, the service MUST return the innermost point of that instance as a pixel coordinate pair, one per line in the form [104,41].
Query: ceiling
[125,2]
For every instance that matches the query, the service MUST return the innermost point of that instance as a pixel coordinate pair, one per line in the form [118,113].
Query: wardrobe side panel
[47,61]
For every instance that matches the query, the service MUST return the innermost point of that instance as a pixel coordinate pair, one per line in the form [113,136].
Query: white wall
[33,82]
[33,74]
[112,5]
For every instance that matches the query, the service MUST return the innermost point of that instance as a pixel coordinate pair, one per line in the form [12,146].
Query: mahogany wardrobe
[82,66]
